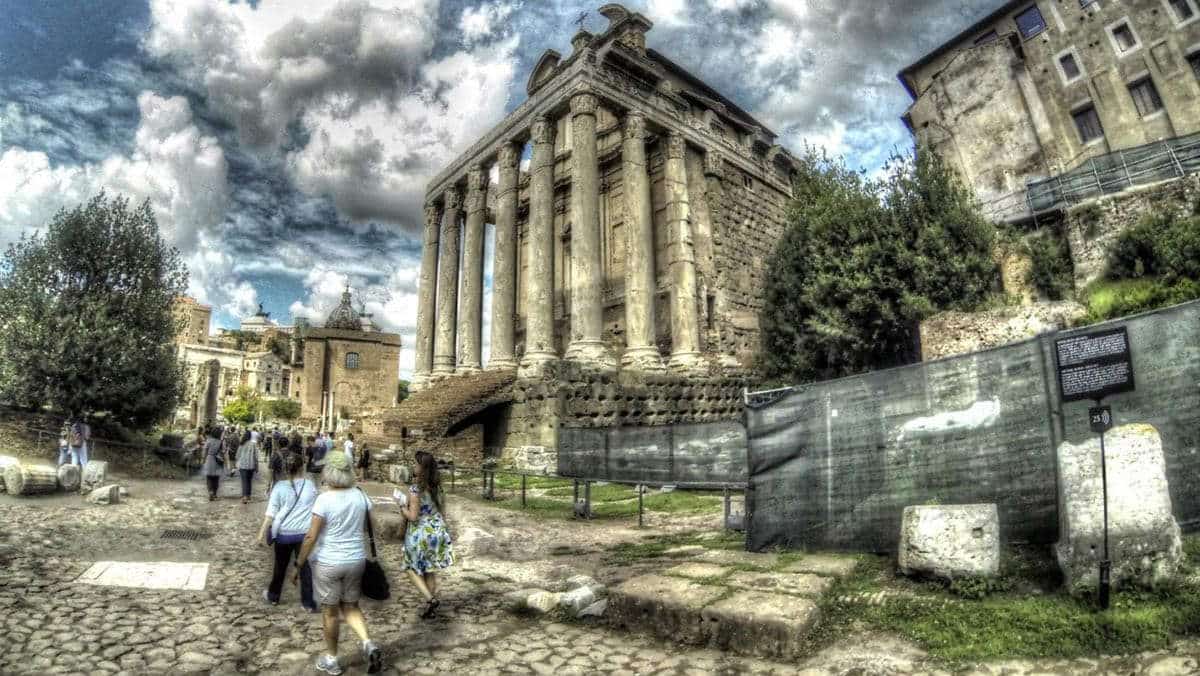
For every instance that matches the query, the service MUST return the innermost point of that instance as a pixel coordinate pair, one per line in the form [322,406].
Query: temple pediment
[543,71]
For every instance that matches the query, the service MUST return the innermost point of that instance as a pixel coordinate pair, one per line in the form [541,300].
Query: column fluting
[470,329]
[504,262]
[641,350]
[426,298]
[685,325]
[539,300]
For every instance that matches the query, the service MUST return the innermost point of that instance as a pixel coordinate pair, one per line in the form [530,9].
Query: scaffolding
[1117,171]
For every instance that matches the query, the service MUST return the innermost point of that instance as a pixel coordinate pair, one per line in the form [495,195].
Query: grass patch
[1109,299]
[606,504]
[1016,617]
[605,493]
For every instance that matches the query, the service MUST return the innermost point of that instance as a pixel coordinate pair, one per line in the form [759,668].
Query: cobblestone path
[50,624]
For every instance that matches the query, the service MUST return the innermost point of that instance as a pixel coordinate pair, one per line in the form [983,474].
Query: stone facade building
[194,318]
[349,368]
[628,261]
[1038,88]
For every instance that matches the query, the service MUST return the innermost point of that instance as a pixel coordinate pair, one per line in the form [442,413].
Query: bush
[1051,273]
[239,411]
[1160,245]
[1111,299]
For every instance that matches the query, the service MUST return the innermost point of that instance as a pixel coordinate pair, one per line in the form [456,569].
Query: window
[1088,124]
[1070,66]
[351,360]
[1145,97]
[1182,9]
[987,37]
[1123,37]
[1030,22]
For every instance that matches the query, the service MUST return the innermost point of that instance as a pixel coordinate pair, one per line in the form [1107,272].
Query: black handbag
[374,581]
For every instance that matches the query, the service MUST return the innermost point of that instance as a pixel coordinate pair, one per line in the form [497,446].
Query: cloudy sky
[285,144]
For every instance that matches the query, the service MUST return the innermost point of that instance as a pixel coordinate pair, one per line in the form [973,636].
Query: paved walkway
[50,624]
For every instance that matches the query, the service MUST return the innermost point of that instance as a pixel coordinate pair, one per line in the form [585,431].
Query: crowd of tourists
[316,519]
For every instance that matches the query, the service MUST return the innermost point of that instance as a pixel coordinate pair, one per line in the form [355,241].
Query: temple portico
[606,244]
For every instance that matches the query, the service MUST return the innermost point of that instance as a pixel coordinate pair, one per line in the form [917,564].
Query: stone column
[685,325]
[587,344]
[504,262]
[641,351]
[470,330]
[447,291]
[539,303]
[426,298]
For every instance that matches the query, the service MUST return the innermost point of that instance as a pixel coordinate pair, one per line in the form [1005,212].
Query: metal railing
[581,501]
[1117,171]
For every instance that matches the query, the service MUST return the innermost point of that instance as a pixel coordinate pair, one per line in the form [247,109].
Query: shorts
[337,583]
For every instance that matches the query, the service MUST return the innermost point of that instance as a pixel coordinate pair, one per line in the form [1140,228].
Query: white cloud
[483,21]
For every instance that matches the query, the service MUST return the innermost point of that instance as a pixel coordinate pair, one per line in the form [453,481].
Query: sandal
[431,607]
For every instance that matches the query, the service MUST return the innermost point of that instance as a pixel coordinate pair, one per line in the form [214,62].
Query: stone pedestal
[447,291]
[950,541]
[539,303]
[587,344]
[504,265]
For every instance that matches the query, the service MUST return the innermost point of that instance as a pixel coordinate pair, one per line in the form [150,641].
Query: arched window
[351,360]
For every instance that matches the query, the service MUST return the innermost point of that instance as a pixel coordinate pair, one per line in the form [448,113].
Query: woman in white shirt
[339,555]
[289,515]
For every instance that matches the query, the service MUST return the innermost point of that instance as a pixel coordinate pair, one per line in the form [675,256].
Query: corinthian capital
[432,215]
[508,155]
[713,164]
[453,197]
[584,103]
[542,130]
[474,180]
[675,146]
[635,125]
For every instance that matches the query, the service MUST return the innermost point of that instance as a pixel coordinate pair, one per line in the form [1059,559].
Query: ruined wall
[1092,227]
[953,333]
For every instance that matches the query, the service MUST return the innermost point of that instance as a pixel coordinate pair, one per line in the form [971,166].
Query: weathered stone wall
[954,333]
[374,384]
[1092,228]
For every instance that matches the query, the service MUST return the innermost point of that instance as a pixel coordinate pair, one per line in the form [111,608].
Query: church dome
[344,316]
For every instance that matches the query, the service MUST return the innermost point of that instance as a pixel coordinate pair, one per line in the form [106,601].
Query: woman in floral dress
[427,543]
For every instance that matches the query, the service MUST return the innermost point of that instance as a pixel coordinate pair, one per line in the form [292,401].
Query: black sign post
[1092,366]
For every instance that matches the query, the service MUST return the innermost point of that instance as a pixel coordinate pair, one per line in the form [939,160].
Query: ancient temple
[628,258]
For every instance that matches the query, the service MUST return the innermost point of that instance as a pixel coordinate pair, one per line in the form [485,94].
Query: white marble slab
[141,575]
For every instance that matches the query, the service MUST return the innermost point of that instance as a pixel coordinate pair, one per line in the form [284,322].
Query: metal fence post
[725,523]
[451,477]
[641,490]
[587,499]
[1125,168]
[522,491]
[1174,158]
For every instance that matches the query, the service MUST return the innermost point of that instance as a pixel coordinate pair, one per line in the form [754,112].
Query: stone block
[950,541]
[542,602]
[1144,539]
[105,495]
[803,584]
[94,475]
[663,606]
[758,623]
[577,599]
[739,558]
[595,610]
[473,541]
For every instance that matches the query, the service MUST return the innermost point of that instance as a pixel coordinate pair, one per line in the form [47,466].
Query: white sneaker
[374,657]
[328,664]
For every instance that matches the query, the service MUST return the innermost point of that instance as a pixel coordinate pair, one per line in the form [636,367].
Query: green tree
[87,326]
[862,262]
[281,409]
[402,392]
[240,411]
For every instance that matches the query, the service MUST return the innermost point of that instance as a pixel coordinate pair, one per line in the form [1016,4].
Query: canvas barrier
[684,454]
[833,464]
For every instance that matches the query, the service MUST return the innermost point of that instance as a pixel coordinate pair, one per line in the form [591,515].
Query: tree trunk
[30,479]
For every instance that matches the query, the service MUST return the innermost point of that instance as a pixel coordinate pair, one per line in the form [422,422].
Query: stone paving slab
[804,584]
[738,558]
[698,571]
[156,575]
[832,565]
[760,623]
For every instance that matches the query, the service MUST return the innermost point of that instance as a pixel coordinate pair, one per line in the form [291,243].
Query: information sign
[1100,418]
[1094,365]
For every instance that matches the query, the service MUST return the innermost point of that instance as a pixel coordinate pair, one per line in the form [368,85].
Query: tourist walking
[247,464]
[338,557]
[215,461]
[231,442]
[364,461]
[348,448]
[427,544]
[289,515]
[315,455]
